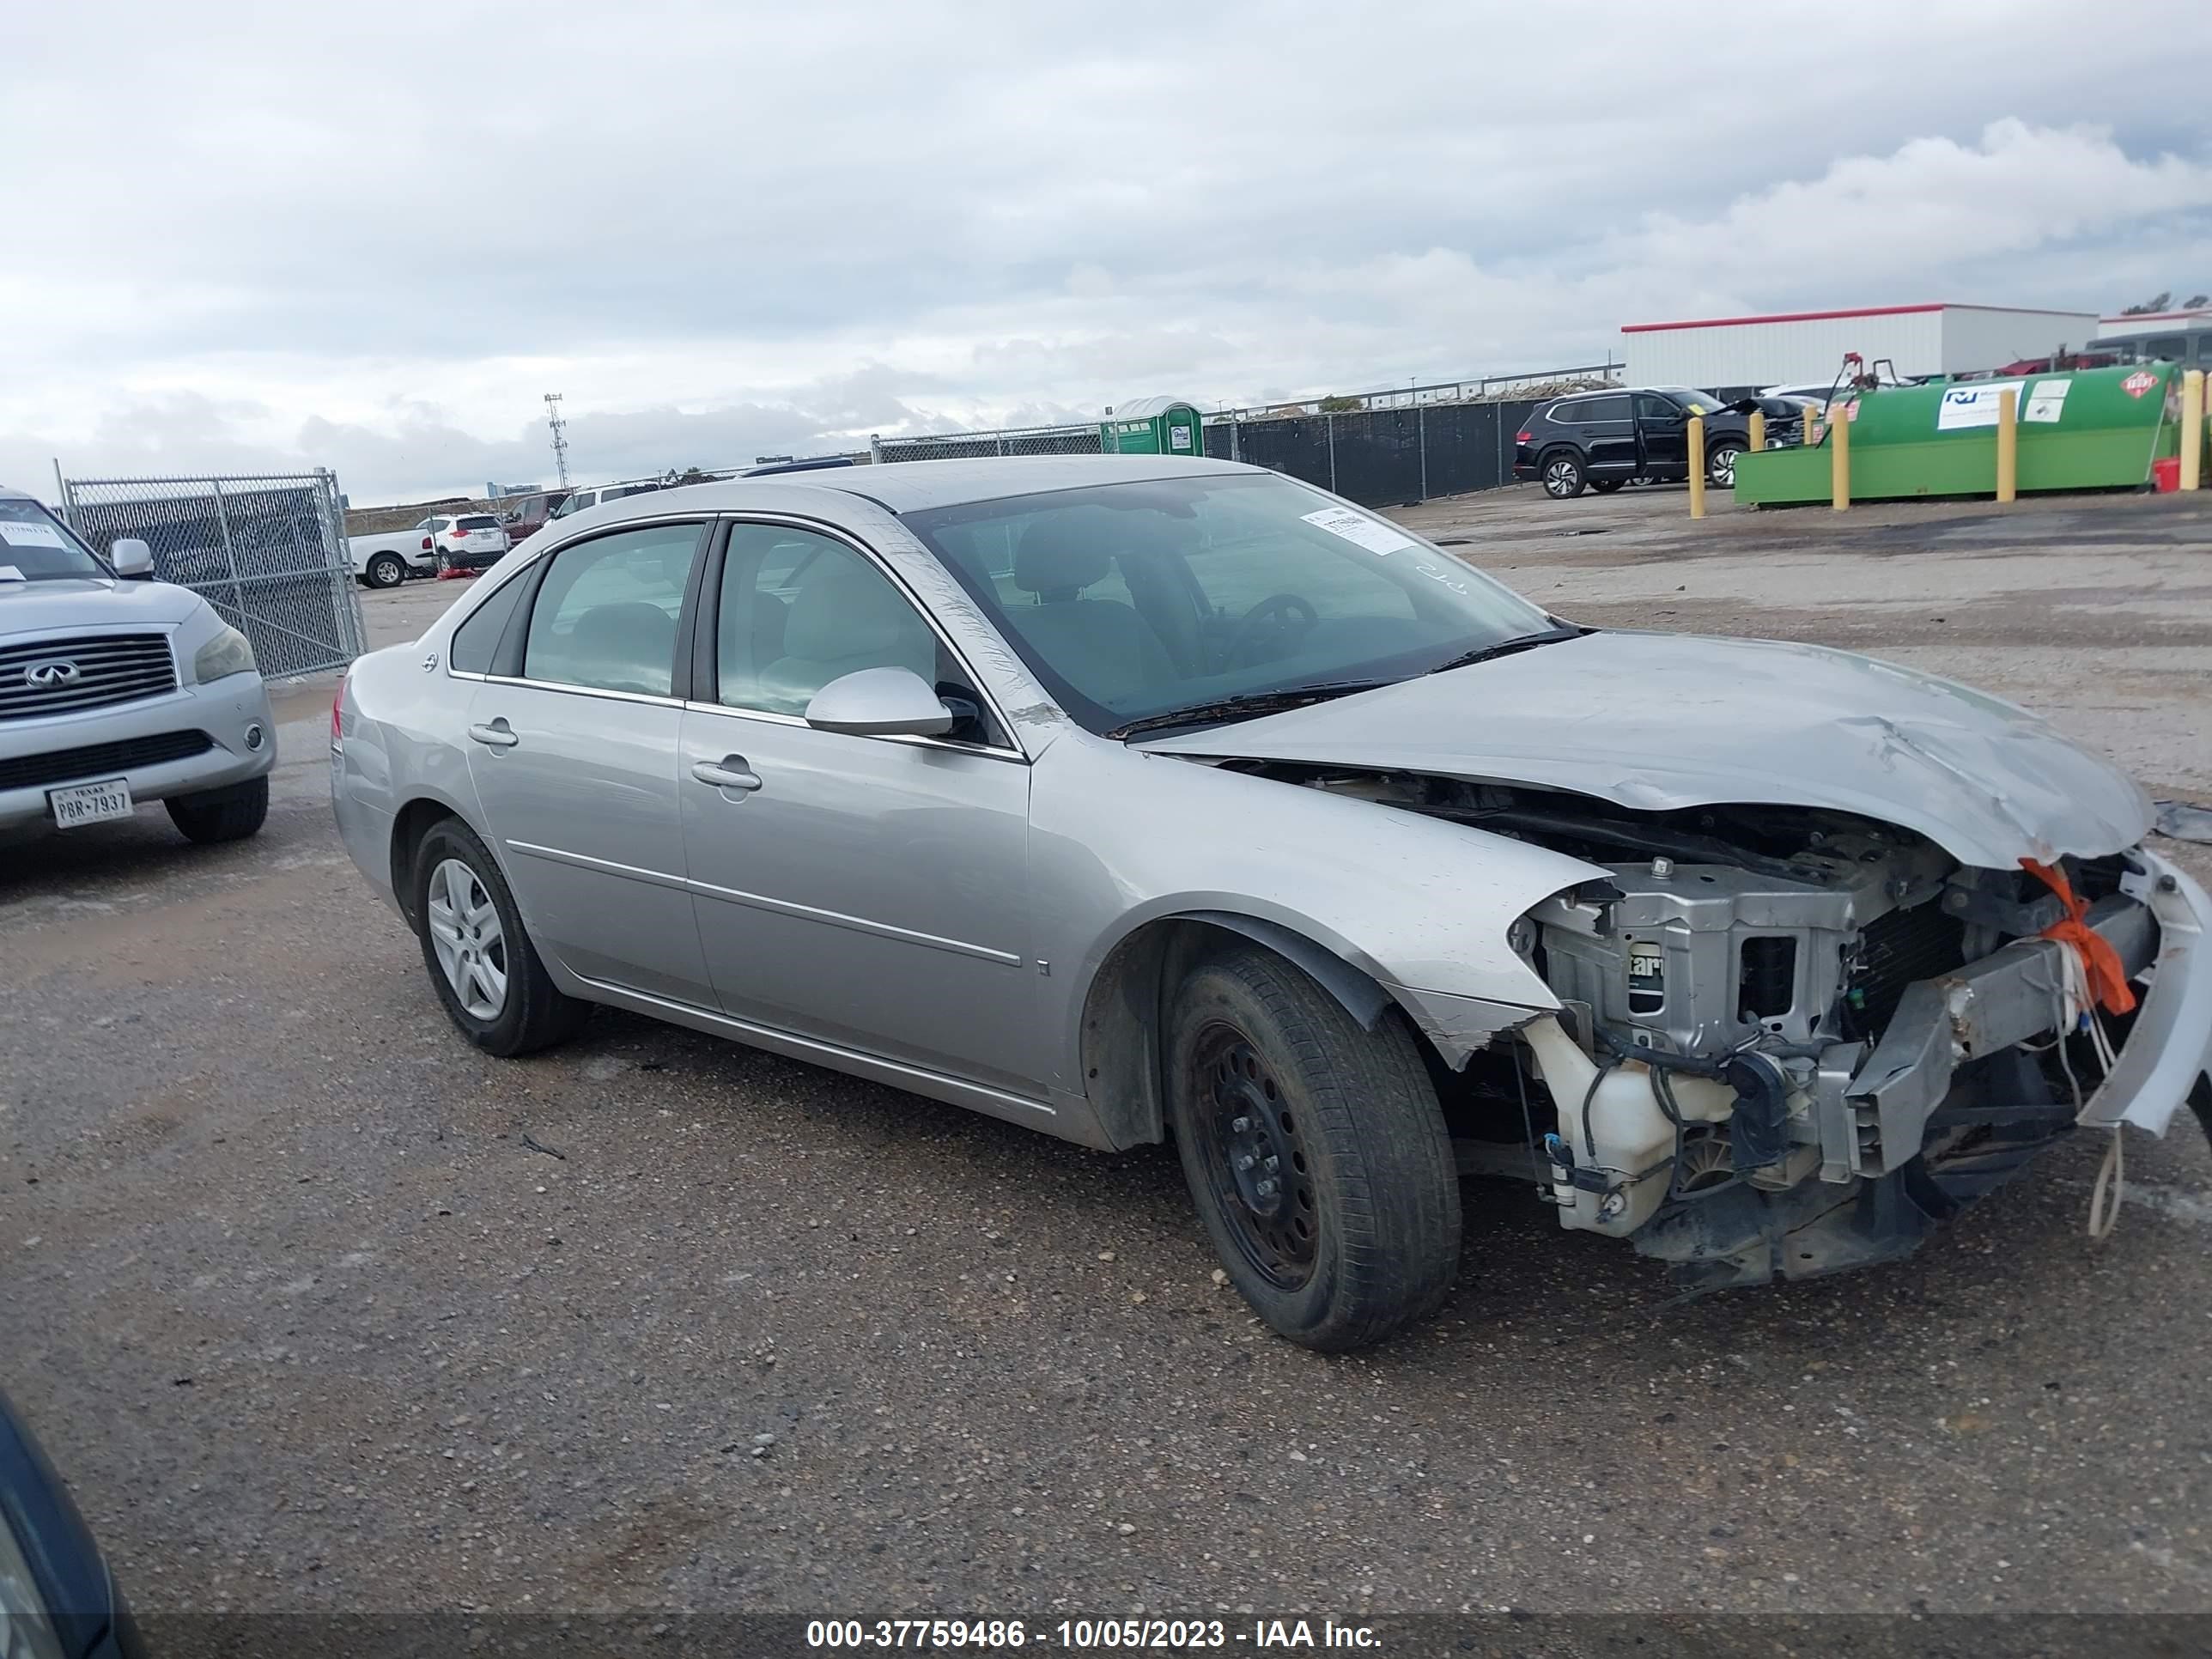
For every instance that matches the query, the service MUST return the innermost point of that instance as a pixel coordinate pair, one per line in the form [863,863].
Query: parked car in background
[1135,799]
[390,558]
[1786,416]
[467,541]
[581,500]
[59,1598]
[524,516]
[116,689]
[1603,440]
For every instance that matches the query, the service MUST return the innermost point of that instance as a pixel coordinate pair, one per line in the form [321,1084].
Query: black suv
[1604,439]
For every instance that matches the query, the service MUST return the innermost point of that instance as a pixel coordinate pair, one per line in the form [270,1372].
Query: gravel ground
[310,1324]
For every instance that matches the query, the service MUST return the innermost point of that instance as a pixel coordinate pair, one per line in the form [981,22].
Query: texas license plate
[89,803]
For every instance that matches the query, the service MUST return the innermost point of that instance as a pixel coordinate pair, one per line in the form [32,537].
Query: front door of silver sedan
[574,762]
[867,892]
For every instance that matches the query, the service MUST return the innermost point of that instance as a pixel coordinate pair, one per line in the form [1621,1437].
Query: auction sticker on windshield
[1359,531]
[17,533]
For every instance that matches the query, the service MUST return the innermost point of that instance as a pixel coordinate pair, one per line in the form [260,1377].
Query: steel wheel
[1256,1158]
[465,933]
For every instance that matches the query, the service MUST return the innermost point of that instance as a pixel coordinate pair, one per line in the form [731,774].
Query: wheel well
[1123,1010]
[408,829]
[1545,457]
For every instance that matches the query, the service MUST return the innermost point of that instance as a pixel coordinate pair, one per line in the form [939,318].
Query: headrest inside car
[1058,557]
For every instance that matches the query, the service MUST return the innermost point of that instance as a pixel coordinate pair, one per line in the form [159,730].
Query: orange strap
[2106,974]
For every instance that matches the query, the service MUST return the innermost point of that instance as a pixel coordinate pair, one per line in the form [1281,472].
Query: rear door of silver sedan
[572,752]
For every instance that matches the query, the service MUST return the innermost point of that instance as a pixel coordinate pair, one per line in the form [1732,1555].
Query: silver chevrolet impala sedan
[1135,799]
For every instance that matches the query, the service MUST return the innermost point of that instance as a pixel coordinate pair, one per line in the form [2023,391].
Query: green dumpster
[1152,426]
[2086,428]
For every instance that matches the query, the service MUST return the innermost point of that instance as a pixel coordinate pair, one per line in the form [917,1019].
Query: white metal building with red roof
[1793,346]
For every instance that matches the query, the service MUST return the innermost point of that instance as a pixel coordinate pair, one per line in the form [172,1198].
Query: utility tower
[560,443]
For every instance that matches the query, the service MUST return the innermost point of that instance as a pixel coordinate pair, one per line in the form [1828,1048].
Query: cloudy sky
[371,236]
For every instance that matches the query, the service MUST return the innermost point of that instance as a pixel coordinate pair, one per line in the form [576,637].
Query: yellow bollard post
[2192,428]
[1840,453]
[2008,443]
[1757,429]
[1697,466]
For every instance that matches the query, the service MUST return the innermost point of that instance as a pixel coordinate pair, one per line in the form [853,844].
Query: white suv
[465,541]
[116,691]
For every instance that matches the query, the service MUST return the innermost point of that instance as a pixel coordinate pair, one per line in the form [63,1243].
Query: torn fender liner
[1656,722]
[1460,1026]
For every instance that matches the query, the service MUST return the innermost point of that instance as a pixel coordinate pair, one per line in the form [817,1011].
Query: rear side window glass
[475,642]
[1566,414]
[605,617]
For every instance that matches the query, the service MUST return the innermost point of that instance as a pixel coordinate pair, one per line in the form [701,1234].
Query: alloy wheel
[466,934]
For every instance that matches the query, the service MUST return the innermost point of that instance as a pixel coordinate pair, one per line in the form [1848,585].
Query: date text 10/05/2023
[1135,1635]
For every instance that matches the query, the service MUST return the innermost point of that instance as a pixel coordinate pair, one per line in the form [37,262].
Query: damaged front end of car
[1792,1040]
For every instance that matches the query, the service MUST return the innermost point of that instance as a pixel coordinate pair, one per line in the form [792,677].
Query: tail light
[337,710]
[428,546]
[1523,437]
[459,534]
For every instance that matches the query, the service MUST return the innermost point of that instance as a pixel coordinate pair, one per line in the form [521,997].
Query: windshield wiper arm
[1507,647]
[1246,705]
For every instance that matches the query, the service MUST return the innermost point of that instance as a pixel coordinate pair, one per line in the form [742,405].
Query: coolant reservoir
[1629,1136]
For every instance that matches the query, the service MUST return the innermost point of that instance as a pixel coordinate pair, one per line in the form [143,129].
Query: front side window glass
[799,609]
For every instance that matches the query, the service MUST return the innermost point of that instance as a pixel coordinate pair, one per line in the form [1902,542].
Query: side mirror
[879,702]
[132,559]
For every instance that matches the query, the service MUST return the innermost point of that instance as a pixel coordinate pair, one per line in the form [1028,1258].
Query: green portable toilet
[1152,426]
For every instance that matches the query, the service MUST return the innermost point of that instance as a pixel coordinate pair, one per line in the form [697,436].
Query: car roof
[7,494]
[911,486]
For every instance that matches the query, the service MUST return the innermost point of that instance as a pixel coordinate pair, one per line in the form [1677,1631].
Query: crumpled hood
[34,607]
[1659,722]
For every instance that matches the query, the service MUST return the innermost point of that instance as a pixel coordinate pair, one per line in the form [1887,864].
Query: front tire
[231,813]
[1607,486]
[1564,476]
[1315,1150]
[1720,464]
[481,962]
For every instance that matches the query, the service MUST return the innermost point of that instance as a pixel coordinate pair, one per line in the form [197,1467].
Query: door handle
[496,735]
[730,772]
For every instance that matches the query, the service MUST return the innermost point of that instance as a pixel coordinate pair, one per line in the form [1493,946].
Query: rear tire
[231,813]
[1352,1229]
[386,570]
[472,936]
[1564,475]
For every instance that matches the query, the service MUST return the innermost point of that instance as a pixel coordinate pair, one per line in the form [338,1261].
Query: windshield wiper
[1507,647]
[1246,705]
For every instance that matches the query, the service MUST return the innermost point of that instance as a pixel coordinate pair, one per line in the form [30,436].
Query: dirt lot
[311,1326]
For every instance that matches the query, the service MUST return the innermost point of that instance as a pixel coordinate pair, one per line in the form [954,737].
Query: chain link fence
[1012,440]
[268,552]
[1385,448]
[1383,456]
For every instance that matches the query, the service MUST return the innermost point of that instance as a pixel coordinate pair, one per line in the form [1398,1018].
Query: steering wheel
[1271,619]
